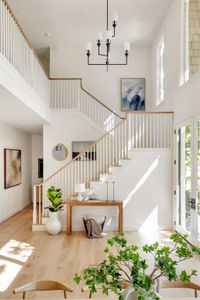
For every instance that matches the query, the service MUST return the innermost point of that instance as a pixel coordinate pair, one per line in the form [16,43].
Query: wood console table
[72,203]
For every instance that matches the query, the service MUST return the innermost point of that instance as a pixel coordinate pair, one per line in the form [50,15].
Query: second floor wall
[71,61]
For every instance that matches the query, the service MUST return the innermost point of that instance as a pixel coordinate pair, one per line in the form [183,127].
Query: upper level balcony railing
[60,93]
[15,47]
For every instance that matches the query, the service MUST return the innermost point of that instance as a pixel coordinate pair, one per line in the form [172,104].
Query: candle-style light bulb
[89,46]
[127,46]
[115,17]
[99,37]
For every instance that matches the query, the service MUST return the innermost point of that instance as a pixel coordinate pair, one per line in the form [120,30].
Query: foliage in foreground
[125,265]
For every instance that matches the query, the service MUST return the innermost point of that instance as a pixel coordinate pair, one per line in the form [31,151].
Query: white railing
[18,52]
[65,94]
[69,94]
[144,130]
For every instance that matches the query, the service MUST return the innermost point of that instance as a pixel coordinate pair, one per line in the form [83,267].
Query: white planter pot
[130,294]
[53,226]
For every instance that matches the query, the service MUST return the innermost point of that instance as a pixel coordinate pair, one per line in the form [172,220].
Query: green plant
[55,197]
[127,264]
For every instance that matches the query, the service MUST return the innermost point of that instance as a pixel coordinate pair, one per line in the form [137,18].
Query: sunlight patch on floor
[8,272]
[19,253]
[17,250]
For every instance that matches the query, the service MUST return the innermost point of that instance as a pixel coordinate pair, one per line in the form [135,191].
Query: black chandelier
[108,38]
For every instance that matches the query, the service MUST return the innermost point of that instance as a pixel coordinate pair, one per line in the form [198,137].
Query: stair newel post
[34,205]
[39,204]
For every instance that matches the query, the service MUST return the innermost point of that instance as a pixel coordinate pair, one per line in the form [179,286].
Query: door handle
[193,203]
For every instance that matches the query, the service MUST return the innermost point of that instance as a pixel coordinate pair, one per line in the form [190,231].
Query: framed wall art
[12,168]
[133,94]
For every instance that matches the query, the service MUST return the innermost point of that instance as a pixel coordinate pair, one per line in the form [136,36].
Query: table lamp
[79,189]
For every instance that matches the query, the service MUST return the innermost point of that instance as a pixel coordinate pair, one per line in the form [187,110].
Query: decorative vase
[53,226]
[131,294]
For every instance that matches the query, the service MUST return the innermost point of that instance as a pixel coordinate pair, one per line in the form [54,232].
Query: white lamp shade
[127,46]
[99,36]
[89,46]
[79,187]
[115,17]
[108,35]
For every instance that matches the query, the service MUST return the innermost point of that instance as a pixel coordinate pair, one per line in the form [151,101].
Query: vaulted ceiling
[76,21]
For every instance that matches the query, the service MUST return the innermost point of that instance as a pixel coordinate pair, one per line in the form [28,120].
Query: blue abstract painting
[132,94]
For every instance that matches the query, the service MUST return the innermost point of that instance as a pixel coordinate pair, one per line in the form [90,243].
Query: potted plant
[127,273]
[54,195]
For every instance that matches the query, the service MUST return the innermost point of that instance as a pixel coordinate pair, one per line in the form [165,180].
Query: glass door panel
[185,178]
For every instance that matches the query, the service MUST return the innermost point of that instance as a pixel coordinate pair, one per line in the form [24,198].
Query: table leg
[69,220]
[120,219]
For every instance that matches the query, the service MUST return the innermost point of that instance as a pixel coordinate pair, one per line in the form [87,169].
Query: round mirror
[60,152]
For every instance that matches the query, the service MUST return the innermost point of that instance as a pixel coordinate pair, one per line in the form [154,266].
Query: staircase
[121,135]
[136,131]
[70,95]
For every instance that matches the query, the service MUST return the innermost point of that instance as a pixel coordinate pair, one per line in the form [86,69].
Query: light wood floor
[41,256]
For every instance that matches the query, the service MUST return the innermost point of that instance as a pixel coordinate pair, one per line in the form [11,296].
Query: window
[185,72]
[160,72]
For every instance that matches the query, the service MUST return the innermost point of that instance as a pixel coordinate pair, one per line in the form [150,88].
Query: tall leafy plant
[126,265]
[55,197]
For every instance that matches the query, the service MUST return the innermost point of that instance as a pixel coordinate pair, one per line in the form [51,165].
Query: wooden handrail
[136,112]
[82,152]
[81,80]
[100,102]
[97,141]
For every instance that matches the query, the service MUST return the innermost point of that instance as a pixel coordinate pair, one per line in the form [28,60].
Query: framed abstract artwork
[12,168]
[78,147]
[133,94]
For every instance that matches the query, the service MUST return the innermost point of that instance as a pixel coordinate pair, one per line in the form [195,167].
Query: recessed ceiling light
[47,34]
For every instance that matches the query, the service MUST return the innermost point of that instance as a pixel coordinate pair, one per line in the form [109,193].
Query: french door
[188,179]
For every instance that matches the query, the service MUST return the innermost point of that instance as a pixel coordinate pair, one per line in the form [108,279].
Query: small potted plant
[54,195]
[126,271]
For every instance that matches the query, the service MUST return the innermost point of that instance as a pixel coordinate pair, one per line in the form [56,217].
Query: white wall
[145,186]
[37,152]
[12,81]
[65,128]
[184,100]
[170,30]
[15,198]
[71,62]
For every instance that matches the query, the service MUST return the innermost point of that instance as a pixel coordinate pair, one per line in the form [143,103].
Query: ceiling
[16,114]
[76,21]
